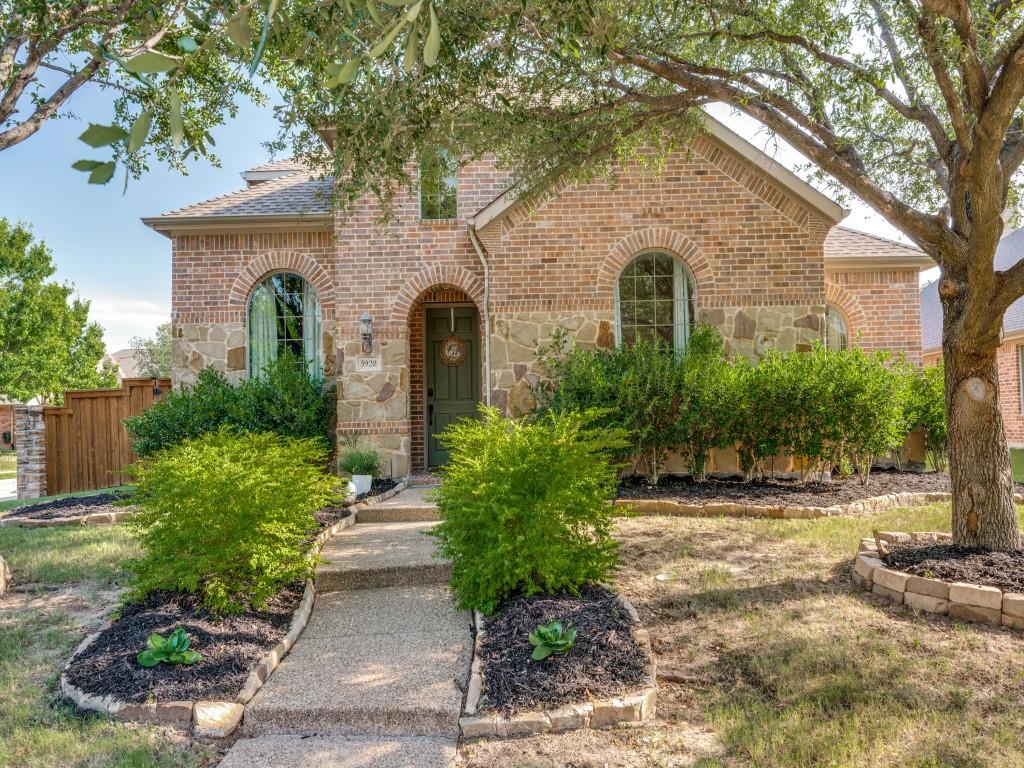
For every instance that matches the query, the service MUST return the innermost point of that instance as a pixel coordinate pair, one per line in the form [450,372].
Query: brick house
[419,320]
[1011,352]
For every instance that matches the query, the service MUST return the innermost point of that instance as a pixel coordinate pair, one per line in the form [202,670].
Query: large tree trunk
[979,459]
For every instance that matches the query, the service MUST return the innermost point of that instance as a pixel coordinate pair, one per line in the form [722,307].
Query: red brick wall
[882,308]
[1009,391]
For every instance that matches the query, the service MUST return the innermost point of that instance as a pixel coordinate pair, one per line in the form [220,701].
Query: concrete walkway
[9,489]
[376,680]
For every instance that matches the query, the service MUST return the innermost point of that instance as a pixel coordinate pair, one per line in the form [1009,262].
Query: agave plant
[170,650]
[551,638]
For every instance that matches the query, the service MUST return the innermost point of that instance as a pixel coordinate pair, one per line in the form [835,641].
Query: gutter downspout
[478,247]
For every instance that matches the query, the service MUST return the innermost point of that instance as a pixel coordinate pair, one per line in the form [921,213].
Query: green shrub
[708,391]
[286,401]
[228,515]
[525,506]
[357,459]
[927,411]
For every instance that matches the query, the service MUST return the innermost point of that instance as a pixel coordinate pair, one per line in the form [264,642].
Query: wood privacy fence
[87,446]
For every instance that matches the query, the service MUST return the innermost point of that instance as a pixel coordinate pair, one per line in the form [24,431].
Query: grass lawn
[788,665]
[8,465]
[66,581]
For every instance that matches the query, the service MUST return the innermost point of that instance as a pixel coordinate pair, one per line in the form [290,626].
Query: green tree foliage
[526,506]
[928,412]
[173,72]
[228,516]
[153,354]
[47,343]
[286,401]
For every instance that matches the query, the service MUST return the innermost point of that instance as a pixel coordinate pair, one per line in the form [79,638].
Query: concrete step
[340,752]
[376,555]
[383,662]
[411,505]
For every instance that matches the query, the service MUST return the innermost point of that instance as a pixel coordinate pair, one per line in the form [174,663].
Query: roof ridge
[264,188]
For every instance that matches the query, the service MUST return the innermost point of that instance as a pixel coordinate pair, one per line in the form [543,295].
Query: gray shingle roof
[295,194]
[1009,252]
[844,243]
[278,165]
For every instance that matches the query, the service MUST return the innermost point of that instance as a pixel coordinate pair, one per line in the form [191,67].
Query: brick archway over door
[436,296]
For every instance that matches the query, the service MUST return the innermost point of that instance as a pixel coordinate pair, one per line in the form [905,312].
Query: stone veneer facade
[755,252]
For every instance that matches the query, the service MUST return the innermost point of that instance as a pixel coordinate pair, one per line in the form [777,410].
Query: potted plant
[363,464]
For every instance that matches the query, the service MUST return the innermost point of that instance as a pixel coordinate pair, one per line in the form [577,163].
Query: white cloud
[122,318]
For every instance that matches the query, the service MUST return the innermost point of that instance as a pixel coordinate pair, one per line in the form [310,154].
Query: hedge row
[839,411]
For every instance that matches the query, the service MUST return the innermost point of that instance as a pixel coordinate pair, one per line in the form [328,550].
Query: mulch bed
[377,487]
[605,661]
[328,516]
[71,506]
[770,492]
[949,562]
[231,647]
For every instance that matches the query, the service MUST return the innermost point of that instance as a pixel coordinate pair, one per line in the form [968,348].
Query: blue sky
[122,266]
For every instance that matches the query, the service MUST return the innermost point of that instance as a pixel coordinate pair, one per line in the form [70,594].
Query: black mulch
[71,506]
[328,516]
[605,661]
[770,492]
[949,562]
[377,487]
[231,647]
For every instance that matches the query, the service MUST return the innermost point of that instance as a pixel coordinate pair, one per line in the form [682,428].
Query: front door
[453,372]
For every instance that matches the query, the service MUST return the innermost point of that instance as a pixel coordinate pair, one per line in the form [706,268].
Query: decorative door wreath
[452,351]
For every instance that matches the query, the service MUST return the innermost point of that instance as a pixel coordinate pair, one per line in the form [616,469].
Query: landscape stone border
[673,508]
[110,518]
[967,602]
[215,719]
[632,709]
[5,576]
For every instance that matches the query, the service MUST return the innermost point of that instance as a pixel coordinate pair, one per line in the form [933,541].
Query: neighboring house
[420,319]
[1011,351]
[124,359]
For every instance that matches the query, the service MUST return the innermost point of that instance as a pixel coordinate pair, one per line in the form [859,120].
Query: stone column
[30,448]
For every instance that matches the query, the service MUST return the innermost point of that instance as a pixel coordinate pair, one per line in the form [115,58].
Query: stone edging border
[673,508]
[967,602]
[215,719]
[96,518]
[111,518]
[635,708]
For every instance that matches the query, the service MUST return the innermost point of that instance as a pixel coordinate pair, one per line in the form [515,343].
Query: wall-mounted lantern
[366,332]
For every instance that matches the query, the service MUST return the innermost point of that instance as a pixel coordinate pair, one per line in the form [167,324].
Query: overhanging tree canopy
[913,105]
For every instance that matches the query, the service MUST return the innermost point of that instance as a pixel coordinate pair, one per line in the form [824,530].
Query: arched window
[655,300]
[284,318]
[837,335]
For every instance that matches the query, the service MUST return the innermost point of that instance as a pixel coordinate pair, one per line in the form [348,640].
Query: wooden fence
[87,446]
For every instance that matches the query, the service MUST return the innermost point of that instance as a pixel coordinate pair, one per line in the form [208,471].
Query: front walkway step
[386,662]
[408,506]
[376,555]
[339,752]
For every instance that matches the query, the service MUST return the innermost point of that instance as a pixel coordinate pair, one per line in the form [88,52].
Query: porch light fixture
[366,332]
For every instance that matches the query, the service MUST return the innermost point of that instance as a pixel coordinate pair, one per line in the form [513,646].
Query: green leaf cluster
[928,412]
[47,342]
[526,506]
[172,649]
[358,459]
[153,354]
[829,409]
[286,400]
[553,638]
[228,516]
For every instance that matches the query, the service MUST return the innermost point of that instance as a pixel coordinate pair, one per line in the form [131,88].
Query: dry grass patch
[783,663]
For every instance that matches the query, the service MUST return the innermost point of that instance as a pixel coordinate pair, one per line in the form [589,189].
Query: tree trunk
[979,459]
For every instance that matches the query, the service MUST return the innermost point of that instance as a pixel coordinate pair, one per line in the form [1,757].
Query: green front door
[453,373]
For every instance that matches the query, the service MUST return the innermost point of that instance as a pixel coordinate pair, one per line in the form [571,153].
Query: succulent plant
[551,638]
[170,650]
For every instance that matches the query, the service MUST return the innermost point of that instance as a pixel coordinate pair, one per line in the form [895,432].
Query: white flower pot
[362,483]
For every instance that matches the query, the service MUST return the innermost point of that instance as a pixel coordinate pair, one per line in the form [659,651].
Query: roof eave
[871,263]
[172,225]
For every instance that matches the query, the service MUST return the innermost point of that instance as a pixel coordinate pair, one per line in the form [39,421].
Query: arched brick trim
[846,302]
[432,277]
[655,238]
[287,261]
